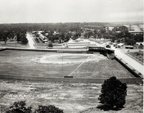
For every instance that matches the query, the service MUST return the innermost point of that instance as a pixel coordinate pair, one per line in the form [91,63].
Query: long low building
[135,29]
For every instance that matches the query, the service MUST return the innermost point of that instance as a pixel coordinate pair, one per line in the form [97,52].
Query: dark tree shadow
[107,107]
[15,111]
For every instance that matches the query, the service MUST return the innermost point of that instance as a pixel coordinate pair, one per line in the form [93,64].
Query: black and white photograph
[71,56]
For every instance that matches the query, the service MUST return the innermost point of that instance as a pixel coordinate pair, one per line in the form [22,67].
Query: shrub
[48,109]
[19,107]
[113,93]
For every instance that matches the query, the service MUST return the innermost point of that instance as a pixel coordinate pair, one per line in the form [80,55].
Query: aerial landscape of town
[60,62]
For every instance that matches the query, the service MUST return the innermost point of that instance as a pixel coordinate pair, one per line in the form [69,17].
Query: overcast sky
[46,11]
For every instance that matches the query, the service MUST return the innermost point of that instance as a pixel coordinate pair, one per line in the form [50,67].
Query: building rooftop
[134,28]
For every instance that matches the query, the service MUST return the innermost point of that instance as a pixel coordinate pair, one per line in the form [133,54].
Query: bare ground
[71,97]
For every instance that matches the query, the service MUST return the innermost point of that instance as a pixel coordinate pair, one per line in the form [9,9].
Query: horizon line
[69,22]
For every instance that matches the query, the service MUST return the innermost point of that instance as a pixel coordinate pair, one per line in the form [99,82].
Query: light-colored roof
[134,28]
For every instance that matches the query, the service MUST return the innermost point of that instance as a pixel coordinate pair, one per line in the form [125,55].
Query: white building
[82,43]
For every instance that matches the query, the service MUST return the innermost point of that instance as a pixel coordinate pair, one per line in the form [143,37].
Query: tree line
[70,30]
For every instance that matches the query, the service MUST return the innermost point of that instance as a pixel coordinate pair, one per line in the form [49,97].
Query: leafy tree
[123,29]
[138,37]
[48,109]
[23,39]
[67,37]
[113,93]
[19,107]
[140,46]
[18,37]
[4,34]
[129,41]
[50,44]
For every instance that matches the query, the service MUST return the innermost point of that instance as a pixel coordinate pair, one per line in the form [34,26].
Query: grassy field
[71,97]
[51,65]
[137,55]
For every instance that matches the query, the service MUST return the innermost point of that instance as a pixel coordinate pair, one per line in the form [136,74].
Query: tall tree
[113,93]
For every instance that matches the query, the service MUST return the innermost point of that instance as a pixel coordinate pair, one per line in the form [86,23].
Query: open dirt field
[50,65]
[71,97]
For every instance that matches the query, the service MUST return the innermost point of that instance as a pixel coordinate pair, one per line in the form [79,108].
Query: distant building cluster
[135,29]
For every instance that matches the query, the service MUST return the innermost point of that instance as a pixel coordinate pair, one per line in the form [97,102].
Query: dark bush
[48,109]
[24,40]
[19,107]
[37,40]
[50,44]
[113,93]
[108,46]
